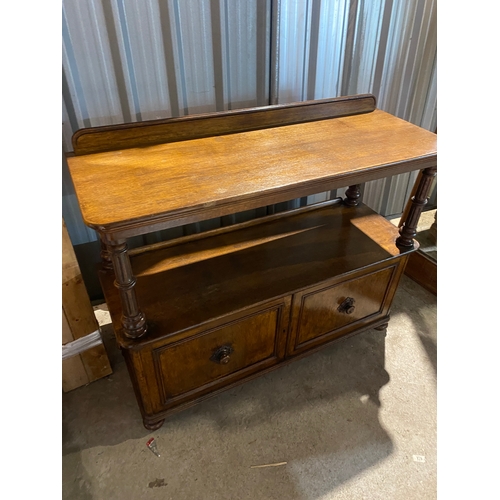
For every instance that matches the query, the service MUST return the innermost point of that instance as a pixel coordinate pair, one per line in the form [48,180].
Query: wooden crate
[84,355]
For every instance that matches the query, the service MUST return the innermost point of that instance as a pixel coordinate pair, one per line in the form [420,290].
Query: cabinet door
[328,311]
[218,354]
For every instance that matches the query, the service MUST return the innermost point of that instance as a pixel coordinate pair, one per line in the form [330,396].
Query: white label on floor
[418,458]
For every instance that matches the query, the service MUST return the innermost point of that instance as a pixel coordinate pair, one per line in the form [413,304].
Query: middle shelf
[193,280]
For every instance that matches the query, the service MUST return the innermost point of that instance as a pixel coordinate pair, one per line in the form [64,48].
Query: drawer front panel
[323,311]
[220,355]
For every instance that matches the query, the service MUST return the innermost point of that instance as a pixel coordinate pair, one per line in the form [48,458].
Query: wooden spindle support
[133,319]
[408,227]
[353,195]
[106,261]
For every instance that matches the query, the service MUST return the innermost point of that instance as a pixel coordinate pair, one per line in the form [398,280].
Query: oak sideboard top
[137,190]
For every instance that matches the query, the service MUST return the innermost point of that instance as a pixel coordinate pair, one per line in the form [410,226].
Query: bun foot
[153,426]
[382,327]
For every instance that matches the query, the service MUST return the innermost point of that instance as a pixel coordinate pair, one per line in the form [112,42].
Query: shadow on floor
[319,413]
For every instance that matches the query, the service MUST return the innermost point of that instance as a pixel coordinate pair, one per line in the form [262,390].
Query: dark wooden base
[382,327]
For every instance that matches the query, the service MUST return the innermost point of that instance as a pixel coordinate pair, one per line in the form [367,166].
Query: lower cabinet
[176,371]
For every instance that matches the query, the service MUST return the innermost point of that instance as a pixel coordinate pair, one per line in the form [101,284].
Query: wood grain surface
[151,132]
[78,320]
[135,191]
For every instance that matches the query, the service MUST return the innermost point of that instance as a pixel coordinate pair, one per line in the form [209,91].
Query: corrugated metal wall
[130,60]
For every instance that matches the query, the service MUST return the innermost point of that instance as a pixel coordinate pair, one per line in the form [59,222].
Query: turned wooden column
[106,262]
[353,195]
[133,319]
[408,229]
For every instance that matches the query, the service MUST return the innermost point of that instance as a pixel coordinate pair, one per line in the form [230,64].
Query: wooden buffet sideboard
[199,314]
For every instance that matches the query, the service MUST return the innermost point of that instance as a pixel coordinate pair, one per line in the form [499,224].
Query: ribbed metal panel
[406,88]
[245,53]
[127,61]
[384,47]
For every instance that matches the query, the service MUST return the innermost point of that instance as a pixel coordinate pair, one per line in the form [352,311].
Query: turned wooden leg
[153,426]
[133,320]
[383,326]
[408,229]
[106,261]
[353,195]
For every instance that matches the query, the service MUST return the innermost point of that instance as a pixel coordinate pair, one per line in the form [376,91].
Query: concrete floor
[354,421]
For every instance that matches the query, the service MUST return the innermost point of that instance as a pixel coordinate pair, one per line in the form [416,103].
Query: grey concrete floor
[356,420]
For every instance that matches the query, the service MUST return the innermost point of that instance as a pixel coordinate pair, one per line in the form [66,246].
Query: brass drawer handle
[347,306]
[222,355]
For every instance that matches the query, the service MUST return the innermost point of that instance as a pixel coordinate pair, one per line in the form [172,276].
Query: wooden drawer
[202,360]
[324,312]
